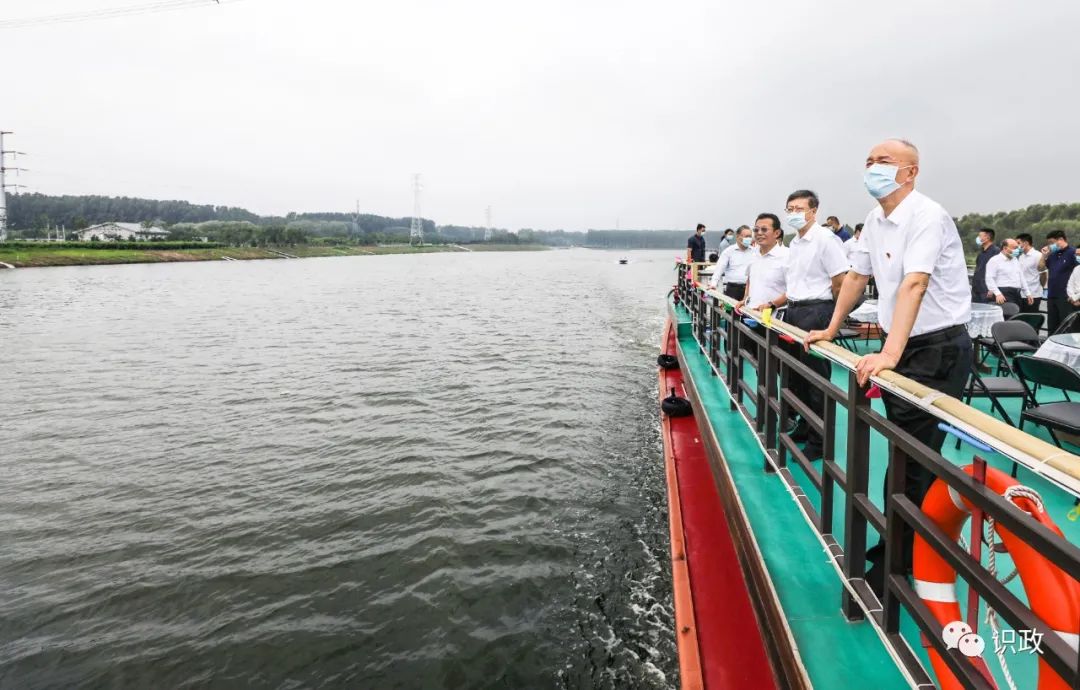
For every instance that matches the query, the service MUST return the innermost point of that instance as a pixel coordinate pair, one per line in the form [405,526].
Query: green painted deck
[838,653]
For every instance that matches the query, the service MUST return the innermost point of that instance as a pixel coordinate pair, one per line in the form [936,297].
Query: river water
[428,471]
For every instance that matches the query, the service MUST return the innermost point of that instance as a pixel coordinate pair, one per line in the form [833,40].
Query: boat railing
[768,345]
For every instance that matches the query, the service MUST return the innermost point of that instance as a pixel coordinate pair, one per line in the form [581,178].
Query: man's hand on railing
[872,365]
[817,336]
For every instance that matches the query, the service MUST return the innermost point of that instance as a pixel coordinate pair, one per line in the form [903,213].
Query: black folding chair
[1031,319]
[1062,415]
[1013,338]
[1068,324]
[846,338]
[1009,310]
[994,388]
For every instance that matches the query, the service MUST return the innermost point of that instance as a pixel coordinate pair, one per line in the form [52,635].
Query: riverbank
[22,256]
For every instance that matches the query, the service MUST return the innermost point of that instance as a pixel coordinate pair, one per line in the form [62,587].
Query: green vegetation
[1037,219]
[644,239]
[32,254]
[97,246]
[31,216]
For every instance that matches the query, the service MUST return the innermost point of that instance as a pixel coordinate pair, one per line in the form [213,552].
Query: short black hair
[700,226]
[1004,243]
[1025,237]
[804,194]
[833,218]
[858,227]
[989,232]
[1056,235]
[770,216]
[727,230]
[714,257]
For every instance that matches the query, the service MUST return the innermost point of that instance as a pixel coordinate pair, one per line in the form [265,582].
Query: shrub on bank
[112,245]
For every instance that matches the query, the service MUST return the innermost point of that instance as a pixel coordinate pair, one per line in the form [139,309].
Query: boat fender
[674,406]
[668,361]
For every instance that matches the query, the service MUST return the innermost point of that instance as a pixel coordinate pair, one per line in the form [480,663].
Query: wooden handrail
[1032,452]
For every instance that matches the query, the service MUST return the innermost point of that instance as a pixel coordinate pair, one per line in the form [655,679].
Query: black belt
[937,337]
[807,302]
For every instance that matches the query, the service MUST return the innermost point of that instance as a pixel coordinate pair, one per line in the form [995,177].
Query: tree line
[30,214]
[1037,219]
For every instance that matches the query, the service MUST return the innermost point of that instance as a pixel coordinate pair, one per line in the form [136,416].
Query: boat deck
[836,652]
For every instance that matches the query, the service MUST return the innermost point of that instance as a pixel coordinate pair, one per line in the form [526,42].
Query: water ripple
[438,471]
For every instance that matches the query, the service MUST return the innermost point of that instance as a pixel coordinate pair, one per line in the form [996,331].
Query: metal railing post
[858,479]
[734,365]
[896,483]
[768,423]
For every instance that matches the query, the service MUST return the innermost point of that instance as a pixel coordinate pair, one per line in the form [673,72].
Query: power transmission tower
[416,232]
[356,220]
[487,229]
[4,186]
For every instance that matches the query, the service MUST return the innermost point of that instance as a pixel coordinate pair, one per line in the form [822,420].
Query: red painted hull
[720,642]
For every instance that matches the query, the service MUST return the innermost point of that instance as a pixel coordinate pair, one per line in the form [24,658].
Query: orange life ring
[1053,596]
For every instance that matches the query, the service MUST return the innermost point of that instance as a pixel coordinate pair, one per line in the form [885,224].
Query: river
[410,471]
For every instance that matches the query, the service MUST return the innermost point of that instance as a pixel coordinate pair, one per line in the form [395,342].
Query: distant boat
[624,260]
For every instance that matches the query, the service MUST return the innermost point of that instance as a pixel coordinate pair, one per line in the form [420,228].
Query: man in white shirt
[1029,269]
[1004,278]
[730,268]
[1072,288]
[816,268]
[766,277]
[910,245]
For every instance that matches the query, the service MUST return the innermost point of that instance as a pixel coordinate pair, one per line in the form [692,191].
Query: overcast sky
[559,114]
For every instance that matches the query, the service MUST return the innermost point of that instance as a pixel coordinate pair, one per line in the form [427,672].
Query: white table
[865,313]
[1064,348]
[983,316]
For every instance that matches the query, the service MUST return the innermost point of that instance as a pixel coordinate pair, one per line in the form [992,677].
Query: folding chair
[1031,319]
[1063,415]
[1013,338]
[1068,324]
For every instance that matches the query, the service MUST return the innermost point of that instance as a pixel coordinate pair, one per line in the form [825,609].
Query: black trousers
[809,318]
[1057,308]
[938,361]
[1032,308]
[735,290]
[1013,295]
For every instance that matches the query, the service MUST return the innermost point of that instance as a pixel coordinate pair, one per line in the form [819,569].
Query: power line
[108,13]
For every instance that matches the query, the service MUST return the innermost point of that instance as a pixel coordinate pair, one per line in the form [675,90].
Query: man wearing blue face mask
[1059,263]
[816,267]
[912,248]
[731,267]
[1005,278]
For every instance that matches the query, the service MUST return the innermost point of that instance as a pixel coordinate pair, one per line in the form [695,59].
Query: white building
[116,232]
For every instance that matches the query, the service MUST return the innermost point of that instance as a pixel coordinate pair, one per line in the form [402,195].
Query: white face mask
[795,222]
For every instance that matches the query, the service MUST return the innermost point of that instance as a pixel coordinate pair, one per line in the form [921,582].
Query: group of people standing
[1013,270]
[910,246]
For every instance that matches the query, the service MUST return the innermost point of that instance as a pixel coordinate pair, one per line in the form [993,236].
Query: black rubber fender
[668,362]
[674,406]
